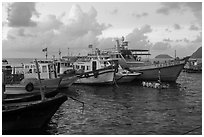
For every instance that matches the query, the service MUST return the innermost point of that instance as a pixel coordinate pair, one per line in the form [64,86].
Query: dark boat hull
[29,97]
[31,116]
[167,73]
[164,72]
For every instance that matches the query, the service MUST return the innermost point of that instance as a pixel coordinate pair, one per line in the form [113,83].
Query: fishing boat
[132,60]
[30,83]
[30,115]
[125,76]
[54,73]
[193,66]
[26,97]
[94,71]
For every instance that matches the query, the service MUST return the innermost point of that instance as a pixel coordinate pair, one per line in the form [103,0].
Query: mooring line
[191,130]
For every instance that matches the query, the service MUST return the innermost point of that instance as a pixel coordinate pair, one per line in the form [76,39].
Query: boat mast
[59,54]
[38,71]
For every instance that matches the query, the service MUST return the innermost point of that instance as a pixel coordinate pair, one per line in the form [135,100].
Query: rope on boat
[192,130]
[79,102]
[114,81]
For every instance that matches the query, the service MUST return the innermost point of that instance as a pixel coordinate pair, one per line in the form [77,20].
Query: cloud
[163,10]
[114,12]
[168,40]
[138,38]
[161,46]
[167,30]
[20,14]
[106,43]
[186,40]
[177,26]
[193,27]
[80,30]
[179,40]
[198,39]
[195,7]
[140,15]
[167,7]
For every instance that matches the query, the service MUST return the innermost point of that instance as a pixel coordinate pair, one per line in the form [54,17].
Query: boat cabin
[46,68]
[62,66]
[90,64]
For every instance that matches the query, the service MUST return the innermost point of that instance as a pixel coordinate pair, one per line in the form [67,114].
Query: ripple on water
[132,109]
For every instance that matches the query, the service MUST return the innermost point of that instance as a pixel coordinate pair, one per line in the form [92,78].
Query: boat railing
[169,63]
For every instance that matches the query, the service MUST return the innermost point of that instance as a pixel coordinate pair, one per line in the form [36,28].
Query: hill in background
[197,53]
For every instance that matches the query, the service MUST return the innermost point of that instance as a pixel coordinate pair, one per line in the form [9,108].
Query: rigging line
[192,130]
[79,102]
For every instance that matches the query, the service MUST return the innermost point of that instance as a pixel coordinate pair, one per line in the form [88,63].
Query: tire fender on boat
[29,87]
[95,74]
[86,75]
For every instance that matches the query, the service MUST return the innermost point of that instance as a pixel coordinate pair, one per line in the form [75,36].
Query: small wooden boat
[68,78]
[33,96]
[136,61]
[126,76]
[94,71]
[123,75]
[30,115]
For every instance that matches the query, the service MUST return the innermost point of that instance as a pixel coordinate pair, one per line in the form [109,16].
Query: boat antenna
[45,50]
[68,52]
[159,80]
[60,54]
[117,45]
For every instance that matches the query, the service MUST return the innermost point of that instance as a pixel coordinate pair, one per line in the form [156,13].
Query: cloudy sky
[160,27]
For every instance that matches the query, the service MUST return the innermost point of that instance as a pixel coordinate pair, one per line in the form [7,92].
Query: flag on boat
[90,46]
[45,49]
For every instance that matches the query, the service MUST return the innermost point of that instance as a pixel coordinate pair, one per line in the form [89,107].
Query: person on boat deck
[30,71]
[135,57]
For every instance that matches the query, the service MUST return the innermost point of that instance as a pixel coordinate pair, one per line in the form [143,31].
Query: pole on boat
[3,85]
[41,92]
[159,80]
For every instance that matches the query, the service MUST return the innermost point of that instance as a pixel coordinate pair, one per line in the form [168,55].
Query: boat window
[30,70]
[83,67]
[26,66]
[35,71]
[44,69]
[77,67]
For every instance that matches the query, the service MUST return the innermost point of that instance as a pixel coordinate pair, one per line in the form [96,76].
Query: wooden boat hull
[68,81]
[47,83]
[188,70]
[33,96]
[31,115]
[164,72]
[167,73]
[125,78]
[105,76]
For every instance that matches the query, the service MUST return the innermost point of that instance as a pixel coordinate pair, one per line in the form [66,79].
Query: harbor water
[130,109]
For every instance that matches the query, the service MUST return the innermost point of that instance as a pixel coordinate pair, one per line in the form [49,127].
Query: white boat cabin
[62,66]
[46,68]
[90,64]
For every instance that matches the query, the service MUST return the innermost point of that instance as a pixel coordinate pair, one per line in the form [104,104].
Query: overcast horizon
[29,27]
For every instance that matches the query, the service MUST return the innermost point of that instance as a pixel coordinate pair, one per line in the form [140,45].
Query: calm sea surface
[131,110]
